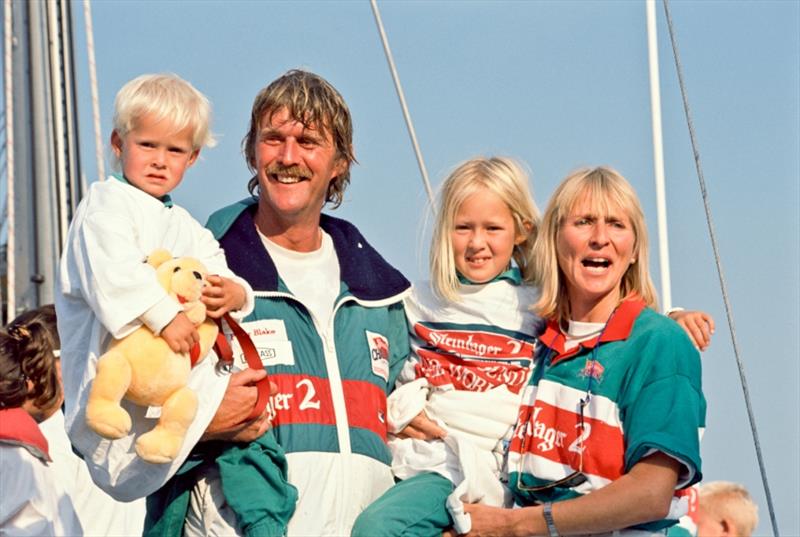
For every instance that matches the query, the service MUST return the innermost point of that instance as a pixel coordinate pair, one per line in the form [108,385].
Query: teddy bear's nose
[197,275]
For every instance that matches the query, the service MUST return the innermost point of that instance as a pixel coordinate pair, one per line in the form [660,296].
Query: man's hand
[222,295]
[180,334]
[698,325]
[239,399]
[422,428]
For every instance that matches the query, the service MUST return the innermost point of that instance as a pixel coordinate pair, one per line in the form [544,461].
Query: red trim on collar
[619,328]
[17,427]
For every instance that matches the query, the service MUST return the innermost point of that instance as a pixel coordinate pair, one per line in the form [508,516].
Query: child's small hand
[698,325]
[222,295]
[180,334]
[422,428]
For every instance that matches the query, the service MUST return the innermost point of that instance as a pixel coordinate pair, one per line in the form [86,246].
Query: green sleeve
[399,348]
[664,409]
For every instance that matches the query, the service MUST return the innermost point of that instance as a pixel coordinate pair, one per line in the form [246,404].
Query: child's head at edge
[506,179]
[29,366]
[168,102]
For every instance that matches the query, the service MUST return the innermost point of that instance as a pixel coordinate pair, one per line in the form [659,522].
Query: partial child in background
[106,290]
[98,512]
[33,500]
[725,510]
[473,335]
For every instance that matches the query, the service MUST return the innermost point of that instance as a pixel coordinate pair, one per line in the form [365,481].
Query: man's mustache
[292,171]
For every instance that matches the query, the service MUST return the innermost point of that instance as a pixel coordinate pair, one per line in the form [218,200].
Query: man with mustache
[328,320]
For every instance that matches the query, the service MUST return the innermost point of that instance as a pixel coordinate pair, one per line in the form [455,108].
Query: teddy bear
[143,369]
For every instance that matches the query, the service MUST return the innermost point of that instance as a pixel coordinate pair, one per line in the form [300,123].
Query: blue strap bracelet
[548,519]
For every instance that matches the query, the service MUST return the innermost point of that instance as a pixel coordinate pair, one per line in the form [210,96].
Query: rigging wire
[406,114]
[715,247]
[9,99]
[98,143]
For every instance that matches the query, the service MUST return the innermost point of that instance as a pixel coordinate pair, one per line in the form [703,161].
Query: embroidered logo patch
[593,369]
[379,354]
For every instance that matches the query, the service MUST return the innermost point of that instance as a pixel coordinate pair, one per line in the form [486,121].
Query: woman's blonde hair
[505,178]
[606,191]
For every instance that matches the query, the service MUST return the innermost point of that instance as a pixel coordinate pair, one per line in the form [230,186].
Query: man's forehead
[277,118]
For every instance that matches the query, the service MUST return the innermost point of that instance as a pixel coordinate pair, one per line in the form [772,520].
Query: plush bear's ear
[158,257]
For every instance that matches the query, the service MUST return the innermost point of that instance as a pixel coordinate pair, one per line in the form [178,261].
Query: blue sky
[557,85]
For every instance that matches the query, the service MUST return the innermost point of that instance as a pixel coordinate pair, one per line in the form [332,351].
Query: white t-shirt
[312,277]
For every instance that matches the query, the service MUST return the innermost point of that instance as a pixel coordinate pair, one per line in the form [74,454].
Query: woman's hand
[641,495]
[699,325]
[497,522]
[422,428]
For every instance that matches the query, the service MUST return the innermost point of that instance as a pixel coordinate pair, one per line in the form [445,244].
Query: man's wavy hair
[312,101]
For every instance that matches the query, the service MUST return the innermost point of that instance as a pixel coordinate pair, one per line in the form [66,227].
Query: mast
[45,155]
[658,156]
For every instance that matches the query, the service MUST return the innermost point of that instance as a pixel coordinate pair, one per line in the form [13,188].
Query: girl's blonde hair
[606,191]
[505,178]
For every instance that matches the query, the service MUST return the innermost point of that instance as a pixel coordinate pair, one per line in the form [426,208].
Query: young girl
[472,335]
[33,501]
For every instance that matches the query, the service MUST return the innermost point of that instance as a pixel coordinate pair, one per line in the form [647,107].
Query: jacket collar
[512,274]
[618,328]
[18,428]
[367,275]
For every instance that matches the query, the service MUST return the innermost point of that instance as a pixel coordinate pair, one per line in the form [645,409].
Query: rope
[402,98]
[98,143]
[712,233]
[10,242]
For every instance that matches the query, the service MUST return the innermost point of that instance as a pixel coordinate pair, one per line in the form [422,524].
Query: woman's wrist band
[548,519]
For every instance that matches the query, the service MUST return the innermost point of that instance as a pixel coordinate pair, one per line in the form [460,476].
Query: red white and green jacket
[645,380]
[471,359]
[330,409]
[471,362]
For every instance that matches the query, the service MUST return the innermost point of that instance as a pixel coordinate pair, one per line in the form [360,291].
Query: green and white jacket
[330,409]
[645,381]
